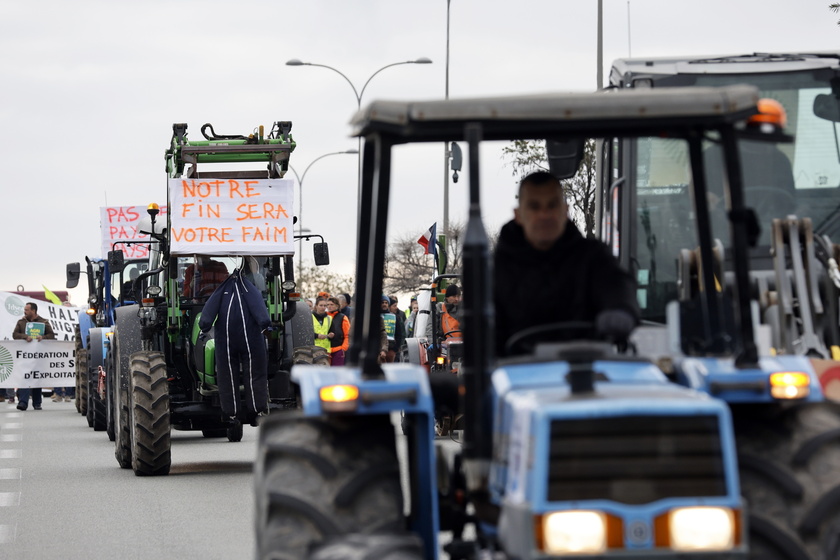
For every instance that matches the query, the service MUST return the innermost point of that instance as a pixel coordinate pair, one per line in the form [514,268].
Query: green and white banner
[45,363]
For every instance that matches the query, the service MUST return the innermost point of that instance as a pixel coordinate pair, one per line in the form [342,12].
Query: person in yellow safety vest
[322,322]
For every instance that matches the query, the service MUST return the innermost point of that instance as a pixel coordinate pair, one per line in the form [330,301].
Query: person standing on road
[344,306]
[543,257]
[30,315]
[340,330]
[399,334]
[322,322]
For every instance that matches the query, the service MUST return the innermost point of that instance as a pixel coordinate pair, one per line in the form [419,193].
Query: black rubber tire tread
[303,332]
[77,338]
[311,355]
[81,375]
[89,397]
[234,433]
[151,453]
[110,422]
[794,443]
[96,406]
[324,477]
[405,546]
[125,341]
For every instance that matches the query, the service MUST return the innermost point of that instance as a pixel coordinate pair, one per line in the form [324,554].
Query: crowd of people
[331,317]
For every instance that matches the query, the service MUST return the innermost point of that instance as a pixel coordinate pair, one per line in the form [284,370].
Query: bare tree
[407,269]
[527,156]
[834,7]
[314,279]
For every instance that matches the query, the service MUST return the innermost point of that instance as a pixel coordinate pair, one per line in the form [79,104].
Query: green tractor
[163,366]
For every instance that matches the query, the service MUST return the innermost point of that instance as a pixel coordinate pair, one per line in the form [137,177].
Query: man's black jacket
[574,280]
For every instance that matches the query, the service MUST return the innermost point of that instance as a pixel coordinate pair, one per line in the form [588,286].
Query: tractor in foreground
[573,450]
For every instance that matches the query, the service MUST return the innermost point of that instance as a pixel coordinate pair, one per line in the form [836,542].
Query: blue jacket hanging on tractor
[240,346]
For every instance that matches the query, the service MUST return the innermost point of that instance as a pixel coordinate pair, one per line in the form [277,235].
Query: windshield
[801,178]
[200,275]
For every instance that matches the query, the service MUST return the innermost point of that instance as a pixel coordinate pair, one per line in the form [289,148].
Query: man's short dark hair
[346,298]
[33,305]
[538,179]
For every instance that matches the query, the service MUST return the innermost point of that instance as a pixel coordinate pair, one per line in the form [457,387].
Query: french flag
[428,240]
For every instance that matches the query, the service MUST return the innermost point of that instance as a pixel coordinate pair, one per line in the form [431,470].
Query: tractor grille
[635,460]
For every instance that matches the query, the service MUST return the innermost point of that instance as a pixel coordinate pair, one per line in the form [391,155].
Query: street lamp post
[358,94]
[300,179]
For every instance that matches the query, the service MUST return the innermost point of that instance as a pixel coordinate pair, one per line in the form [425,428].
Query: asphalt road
[63,495]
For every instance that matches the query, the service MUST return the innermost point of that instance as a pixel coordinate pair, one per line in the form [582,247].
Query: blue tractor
[572,450]
[110,285]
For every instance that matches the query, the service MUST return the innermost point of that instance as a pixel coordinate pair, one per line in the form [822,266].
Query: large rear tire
[789,462]
[322,478]
[150,429]
[77,338]
[110,415]
[371,547]
[125,341]
[311,355]
[82,381]
[96,358]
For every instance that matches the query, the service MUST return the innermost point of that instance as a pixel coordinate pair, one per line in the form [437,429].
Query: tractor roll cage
[687,113]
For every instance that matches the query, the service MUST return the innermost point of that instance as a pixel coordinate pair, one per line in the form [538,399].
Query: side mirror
[827,106]
[322,253]
[116,261]
[564,157]
[74,272]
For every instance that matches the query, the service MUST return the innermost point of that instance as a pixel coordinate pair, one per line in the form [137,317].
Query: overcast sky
[90,90]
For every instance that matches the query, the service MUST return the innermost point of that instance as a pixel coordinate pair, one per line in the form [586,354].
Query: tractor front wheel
[149,413]
[318,479]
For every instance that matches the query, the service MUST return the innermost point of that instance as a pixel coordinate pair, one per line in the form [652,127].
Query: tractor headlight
[790,385]
[702,528]
[288,286]
[574,532]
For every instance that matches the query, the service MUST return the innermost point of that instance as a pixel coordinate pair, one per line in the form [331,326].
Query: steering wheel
[448,333]
[525,340]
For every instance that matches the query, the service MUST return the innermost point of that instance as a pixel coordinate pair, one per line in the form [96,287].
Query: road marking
[9,474]
[11,426]
[11,437]
[11,453]
[7,534]
[9,499]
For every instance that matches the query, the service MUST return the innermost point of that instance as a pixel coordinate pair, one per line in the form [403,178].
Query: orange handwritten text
[203,210]
[203,235]
[268,233]
[219,188]
[267,210]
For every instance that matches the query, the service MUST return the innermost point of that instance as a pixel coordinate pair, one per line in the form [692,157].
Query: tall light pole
[300,179]
[358,94]
[446,154]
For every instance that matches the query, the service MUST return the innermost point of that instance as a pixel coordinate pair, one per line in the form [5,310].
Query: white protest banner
[62,319]
[231,216]
[119,223]
[45,363]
